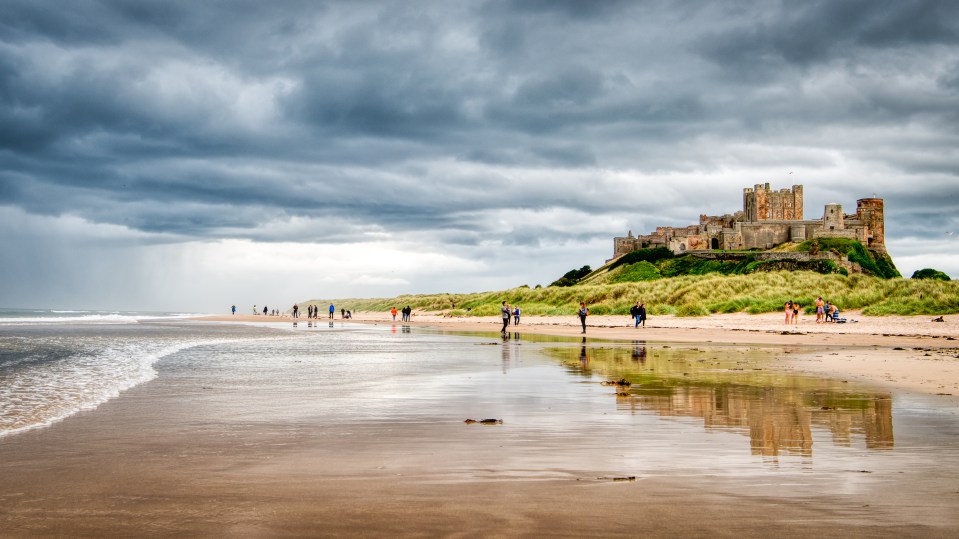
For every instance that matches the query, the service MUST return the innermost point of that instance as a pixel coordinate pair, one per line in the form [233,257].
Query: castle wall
[765,235]
[837,259]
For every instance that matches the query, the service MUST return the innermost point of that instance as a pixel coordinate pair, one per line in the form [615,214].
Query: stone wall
[795,256]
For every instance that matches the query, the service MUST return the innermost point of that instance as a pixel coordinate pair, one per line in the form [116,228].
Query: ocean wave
[43,394]
[63,317]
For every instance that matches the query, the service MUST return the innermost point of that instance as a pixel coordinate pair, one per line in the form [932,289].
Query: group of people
[405,312]
[509,313]
[792,312]
[638,312]
[825,311]
[313,311]
[266,311]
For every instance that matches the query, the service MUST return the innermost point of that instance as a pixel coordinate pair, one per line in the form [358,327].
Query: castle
[767,219]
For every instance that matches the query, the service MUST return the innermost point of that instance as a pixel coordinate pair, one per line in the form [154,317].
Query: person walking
[642,315]
[296,310]
[233,309]
[516,312]
[393,311]
[634,312]
[332,310]
[583,313]
[506,313]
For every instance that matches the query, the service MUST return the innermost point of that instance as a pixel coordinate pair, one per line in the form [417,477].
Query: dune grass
[695,295]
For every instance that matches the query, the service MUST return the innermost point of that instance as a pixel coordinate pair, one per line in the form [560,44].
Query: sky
[186,156]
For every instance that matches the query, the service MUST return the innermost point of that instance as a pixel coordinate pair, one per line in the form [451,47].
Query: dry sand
[905,352]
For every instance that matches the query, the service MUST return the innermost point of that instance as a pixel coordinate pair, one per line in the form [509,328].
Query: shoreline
[910,353]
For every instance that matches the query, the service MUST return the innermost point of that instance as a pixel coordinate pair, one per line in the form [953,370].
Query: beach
[907,352]
[259,430]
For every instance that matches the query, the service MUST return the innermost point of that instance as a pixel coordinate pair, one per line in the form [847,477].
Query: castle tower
[749,204]
[762,204]
[797,203]
[832,217]
[870,212]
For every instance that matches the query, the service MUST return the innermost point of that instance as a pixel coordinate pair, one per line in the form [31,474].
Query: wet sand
[152,463]
[903,352]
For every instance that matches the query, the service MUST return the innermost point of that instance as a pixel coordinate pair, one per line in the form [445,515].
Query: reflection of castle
[767,219]
[779,419]
[777,413]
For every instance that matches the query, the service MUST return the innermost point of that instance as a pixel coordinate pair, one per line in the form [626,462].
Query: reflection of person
[639,351]
[583,358]
[583,313]
[505,312]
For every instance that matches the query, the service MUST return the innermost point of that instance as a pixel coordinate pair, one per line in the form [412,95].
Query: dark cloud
[253,120]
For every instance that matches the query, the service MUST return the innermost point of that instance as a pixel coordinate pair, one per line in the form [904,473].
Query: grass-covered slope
[874,263]
[658,263]
[695,295]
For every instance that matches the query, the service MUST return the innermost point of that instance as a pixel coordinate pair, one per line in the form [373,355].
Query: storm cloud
[511,139]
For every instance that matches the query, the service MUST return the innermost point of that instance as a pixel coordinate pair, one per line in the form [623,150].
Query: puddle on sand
[729,388]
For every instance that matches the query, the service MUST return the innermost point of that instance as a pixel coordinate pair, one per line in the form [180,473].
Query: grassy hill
[693,286]
[658,263]
[694,295]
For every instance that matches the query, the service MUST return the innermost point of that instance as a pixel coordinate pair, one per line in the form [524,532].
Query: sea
[55,363]
[559,405]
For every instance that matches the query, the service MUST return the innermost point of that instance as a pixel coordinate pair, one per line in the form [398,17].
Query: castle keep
[767,219]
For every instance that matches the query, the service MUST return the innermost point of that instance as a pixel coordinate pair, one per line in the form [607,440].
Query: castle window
[682,246]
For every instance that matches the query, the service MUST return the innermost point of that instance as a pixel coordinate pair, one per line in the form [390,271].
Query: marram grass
[694,295]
